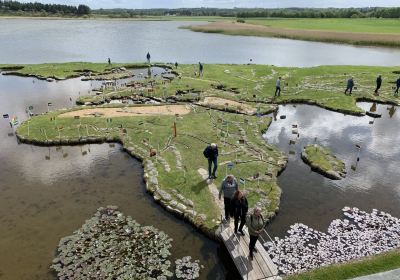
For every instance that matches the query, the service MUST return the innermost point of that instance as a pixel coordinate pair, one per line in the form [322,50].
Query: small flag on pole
[6,116]
[242,181]
[14,121]
[49,104]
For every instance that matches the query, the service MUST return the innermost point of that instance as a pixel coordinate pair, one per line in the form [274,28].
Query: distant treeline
[17,8]
[257,12]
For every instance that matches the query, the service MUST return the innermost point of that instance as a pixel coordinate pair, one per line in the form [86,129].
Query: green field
[363,25]
[371,265]
[323,85]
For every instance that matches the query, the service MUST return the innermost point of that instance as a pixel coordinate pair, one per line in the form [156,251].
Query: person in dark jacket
[240,208]
[228,187]
[255,223]
[201,69]
[211,153]
[278,87]
[350,85]
[396,92]
[378,84]
[148,56]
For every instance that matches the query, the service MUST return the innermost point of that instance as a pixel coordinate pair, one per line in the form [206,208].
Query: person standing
[278,87]
[109,61]
[396,92]
[350,85]
[378,84]
[148,56]
[201,69]
[240,208]
[228,187]
[255,223]
[176,65]
[211,153]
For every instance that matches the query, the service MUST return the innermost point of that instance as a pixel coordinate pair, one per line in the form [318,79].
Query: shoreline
[326,36]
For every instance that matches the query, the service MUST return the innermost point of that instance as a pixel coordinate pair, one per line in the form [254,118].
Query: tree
[83,10]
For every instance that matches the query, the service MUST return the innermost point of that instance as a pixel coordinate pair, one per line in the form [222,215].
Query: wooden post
[175,129]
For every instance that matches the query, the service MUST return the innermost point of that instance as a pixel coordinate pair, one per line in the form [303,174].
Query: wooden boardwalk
[260,268]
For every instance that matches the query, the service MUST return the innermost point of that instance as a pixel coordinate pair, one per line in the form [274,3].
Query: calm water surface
[38,41]
[42,200]
[310,198]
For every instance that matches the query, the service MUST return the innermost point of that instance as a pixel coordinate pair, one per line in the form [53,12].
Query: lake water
[38,41]
[310,198]
[47,193]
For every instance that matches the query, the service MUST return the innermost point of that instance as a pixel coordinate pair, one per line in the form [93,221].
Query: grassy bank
[379,32]
[253,84]
[363,25]
[178,158]
[62,71]
[323,161]
[371,265]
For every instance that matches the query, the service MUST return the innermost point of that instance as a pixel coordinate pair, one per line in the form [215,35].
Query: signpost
[229,166]
[243,182]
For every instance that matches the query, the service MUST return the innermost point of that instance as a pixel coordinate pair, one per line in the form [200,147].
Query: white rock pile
[359,234]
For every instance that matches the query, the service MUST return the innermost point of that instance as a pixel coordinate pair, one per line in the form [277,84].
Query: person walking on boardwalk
[255,223]
[350,85]
[148,56]
[201,69]
[240,208]
[378,84]
[278,87]
[211,153]
[396,92]
[228,187]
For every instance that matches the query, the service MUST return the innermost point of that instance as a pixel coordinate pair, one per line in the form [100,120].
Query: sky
[142,4]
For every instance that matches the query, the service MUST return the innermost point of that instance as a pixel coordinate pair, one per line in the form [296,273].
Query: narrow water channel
[47,193]
[310,198]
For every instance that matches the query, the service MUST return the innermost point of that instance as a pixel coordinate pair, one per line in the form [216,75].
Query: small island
[324,162]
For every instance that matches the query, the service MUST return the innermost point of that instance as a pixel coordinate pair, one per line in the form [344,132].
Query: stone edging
[160,196]
[334,175]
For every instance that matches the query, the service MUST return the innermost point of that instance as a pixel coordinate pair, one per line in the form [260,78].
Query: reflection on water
[47,193]
[314,200]
[38,41]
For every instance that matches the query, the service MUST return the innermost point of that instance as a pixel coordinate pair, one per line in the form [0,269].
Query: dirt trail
[129,111]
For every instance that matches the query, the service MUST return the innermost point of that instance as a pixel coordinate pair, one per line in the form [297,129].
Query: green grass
[371,265]
[157,132]
[364,25]
[323,86]
[65,70]
[366,31]
[321,156]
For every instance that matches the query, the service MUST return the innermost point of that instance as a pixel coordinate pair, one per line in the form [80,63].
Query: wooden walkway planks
[261,267]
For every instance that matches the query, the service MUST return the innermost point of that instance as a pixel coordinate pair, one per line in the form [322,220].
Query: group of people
[236,206]
[235,202]
[350,86]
